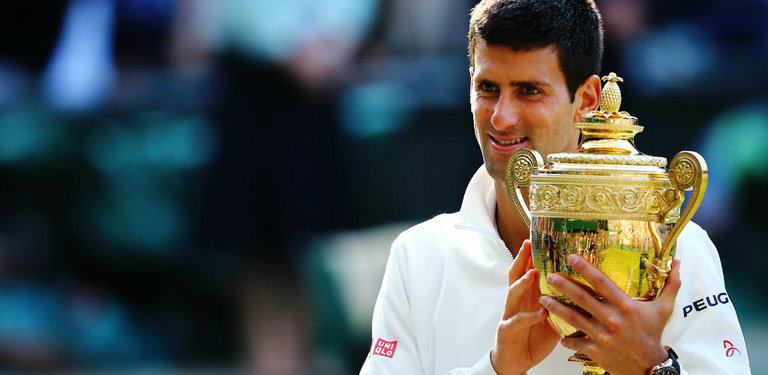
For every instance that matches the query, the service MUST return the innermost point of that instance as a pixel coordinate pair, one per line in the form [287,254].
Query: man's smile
[507,144]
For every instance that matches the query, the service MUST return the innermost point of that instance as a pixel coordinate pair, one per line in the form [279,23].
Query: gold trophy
[616,207]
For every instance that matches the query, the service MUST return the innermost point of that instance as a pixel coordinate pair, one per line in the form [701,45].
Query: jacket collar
[478,209]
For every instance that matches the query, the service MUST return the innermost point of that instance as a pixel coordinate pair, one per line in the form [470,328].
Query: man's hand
[623,335]
[523,338]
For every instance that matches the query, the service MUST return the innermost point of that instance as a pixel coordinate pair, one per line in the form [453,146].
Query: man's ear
[587,97]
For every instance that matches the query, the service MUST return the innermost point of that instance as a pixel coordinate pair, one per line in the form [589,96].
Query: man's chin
[497,171]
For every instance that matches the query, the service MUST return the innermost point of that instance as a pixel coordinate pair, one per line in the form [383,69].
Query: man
[458,297]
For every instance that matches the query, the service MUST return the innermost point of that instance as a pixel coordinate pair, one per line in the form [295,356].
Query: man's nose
[506,114]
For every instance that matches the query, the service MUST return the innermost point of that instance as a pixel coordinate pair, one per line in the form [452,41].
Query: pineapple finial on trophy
[610,100]
[607,130]
[610,103]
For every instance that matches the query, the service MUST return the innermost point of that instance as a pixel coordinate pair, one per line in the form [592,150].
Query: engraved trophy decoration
[616,207]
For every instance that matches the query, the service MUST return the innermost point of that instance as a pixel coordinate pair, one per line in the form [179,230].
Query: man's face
[520,100]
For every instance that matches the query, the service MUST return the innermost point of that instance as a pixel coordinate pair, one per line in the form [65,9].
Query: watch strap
[670,366]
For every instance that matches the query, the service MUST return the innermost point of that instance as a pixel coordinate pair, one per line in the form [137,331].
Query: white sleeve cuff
[483,366]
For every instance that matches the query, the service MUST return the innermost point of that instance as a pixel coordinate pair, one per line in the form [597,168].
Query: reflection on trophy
[616,207]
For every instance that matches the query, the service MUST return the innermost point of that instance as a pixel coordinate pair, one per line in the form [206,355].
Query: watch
[668,367]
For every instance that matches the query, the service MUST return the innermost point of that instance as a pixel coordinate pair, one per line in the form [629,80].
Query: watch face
[667,370]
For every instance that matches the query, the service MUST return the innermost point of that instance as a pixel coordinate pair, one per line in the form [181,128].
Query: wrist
[500,369]
[669,366]
[661,355]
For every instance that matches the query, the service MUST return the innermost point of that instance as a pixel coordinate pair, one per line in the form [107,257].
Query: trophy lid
[607,134]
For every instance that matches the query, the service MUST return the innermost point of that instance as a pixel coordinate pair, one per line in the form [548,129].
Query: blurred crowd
[212,185]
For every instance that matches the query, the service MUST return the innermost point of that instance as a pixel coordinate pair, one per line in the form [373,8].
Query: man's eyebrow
[528,83]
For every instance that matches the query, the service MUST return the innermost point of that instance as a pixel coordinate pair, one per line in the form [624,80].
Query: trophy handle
[522,163]
[686,170]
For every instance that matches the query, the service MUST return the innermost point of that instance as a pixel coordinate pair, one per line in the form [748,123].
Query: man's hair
[573,27]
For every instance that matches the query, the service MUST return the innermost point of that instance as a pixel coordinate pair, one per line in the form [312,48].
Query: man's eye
[530,90]
[488,87]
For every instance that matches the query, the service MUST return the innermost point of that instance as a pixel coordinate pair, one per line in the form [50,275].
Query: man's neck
[510,225]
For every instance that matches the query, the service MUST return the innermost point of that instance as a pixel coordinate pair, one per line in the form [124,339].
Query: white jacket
[444,289]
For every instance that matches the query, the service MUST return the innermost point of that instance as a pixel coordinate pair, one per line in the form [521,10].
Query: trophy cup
[616,207]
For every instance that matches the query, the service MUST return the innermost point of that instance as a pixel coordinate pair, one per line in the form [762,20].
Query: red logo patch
[730,349]
[385,348]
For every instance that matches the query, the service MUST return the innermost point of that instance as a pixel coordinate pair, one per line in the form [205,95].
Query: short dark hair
[573,27]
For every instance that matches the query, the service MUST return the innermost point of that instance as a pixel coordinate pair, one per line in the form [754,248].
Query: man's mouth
[509,142]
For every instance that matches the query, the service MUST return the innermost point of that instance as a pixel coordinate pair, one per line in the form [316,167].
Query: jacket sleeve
[704,330]
[395,345]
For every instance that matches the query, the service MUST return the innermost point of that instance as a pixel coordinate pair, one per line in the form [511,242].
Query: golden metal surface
[688,170]
[518,174]
[644,160]
[627,251]
[609,203]
[610,100]
[608,131]
[589,199]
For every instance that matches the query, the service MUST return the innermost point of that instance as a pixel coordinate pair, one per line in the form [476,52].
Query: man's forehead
[495,58]
[483,47]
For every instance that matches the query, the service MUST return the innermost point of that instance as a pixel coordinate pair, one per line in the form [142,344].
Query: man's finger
[570,315]
[520,321]
[671,285]
[579,344]
[599,281]
[519,291]
[522,262]
[576,293]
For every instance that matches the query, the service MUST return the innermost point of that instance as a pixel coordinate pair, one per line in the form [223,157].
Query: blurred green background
[211,186]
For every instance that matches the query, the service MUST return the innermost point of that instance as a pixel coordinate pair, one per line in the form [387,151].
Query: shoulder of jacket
[425,235]
[695,239]
[699,254]
[693,229]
